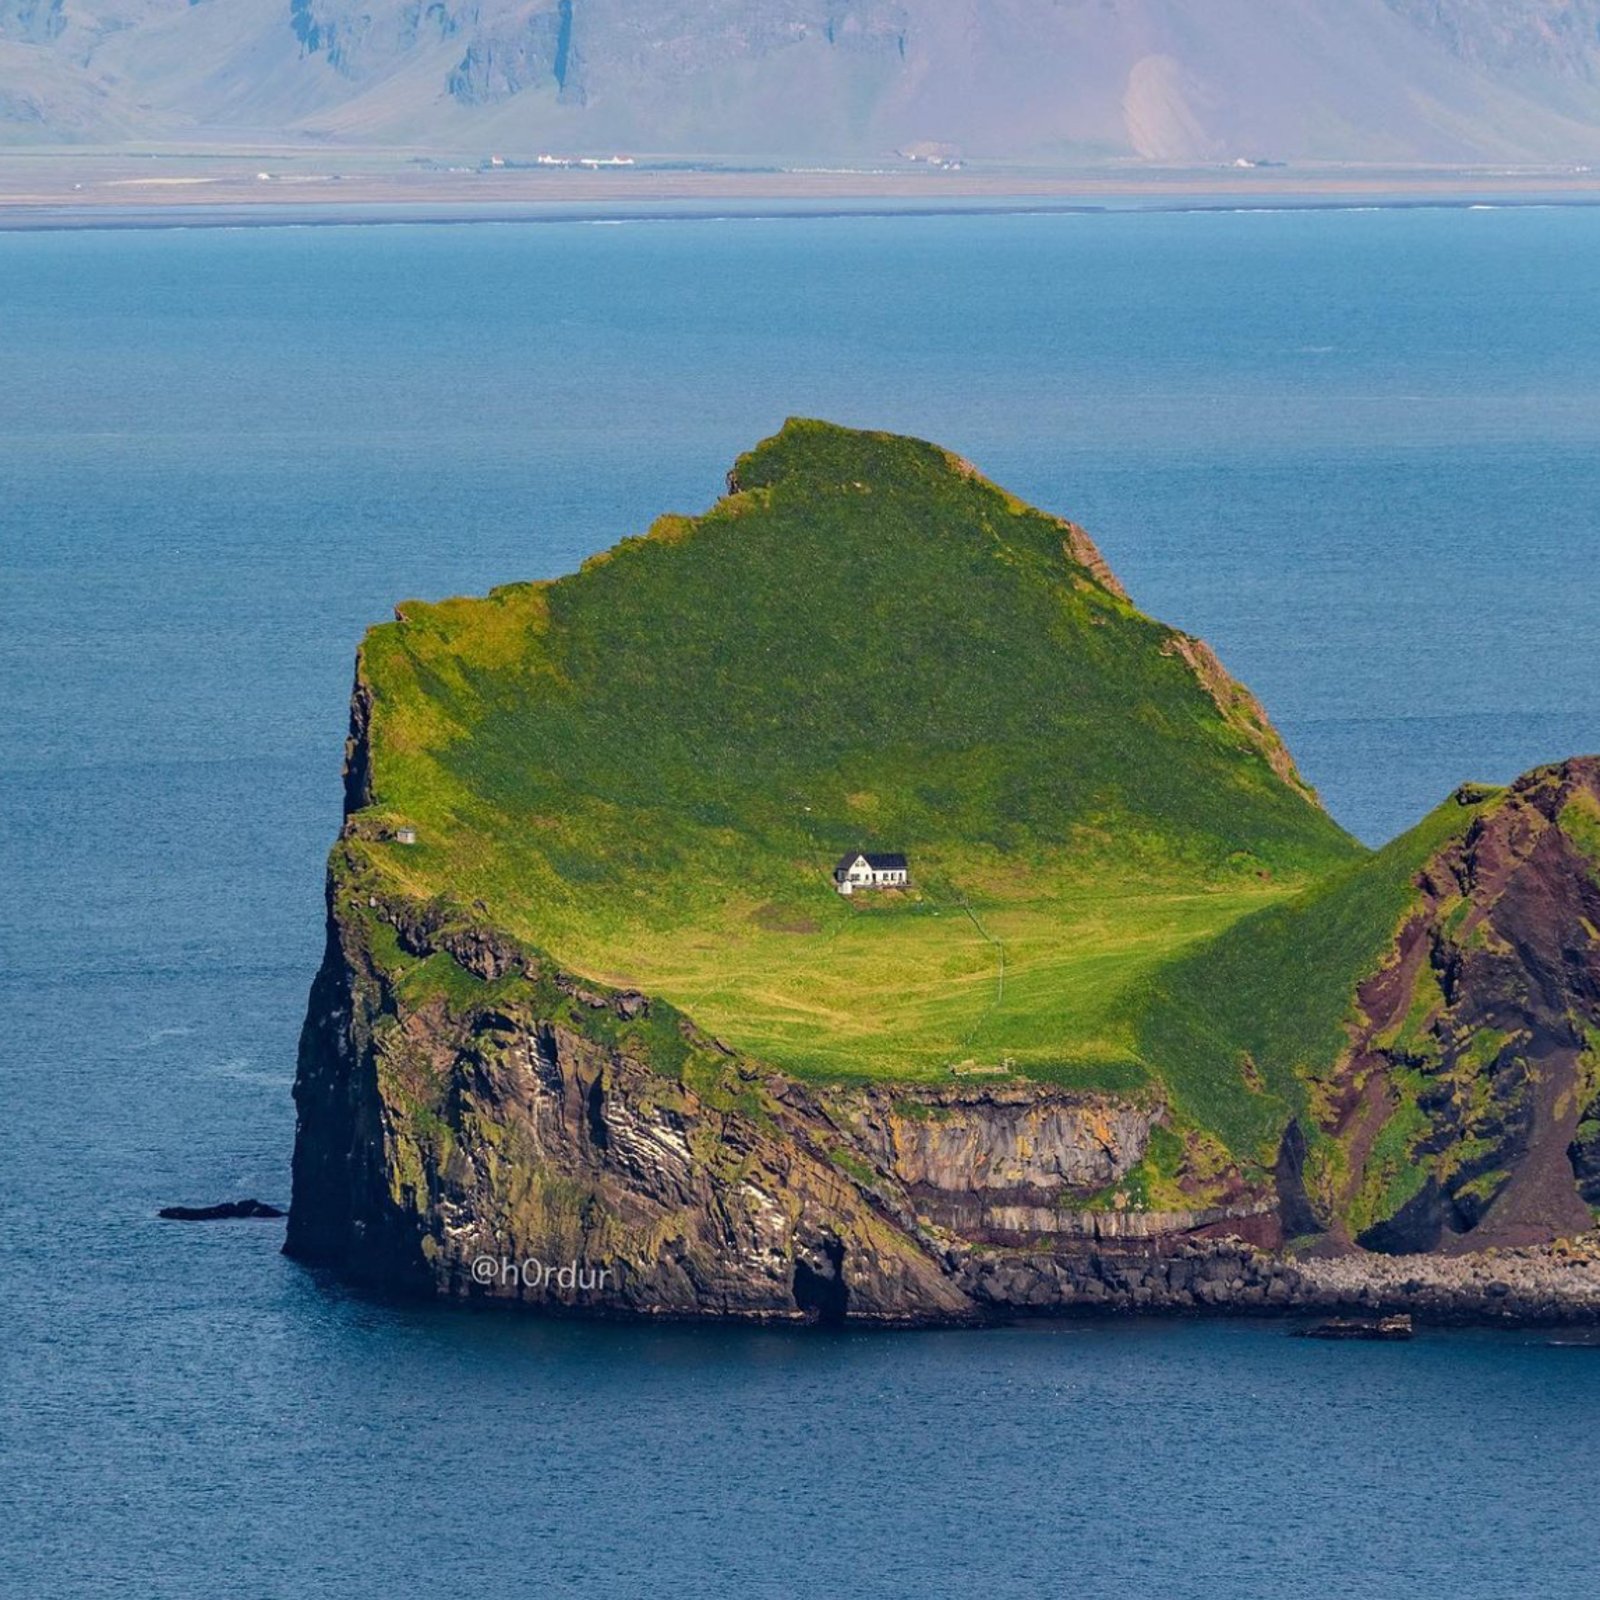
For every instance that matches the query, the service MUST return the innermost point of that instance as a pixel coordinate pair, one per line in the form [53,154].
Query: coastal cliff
[463,1100]
[1318,1077]
[1475,1054]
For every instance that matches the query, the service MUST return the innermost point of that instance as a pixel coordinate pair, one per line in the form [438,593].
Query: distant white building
[862,870]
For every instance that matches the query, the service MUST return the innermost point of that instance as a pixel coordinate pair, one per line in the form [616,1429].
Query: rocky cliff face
[1467,1104]
[1006,1141]
[473,1121]
[471,1115]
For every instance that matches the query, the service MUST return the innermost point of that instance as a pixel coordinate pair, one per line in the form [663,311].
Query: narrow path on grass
[1000,977]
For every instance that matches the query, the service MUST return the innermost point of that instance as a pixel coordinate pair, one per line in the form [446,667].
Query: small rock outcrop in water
[226,1211]
[1375,1328]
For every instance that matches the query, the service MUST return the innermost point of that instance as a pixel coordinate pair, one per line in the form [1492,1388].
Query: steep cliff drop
[1474,1062]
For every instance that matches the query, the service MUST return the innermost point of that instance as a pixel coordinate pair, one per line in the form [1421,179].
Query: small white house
[861,870]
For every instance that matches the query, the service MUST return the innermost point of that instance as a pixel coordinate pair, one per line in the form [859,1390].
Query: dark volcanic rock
[1483,1018]
[1379,1328]
[1295,1211]
[227,1211]
[1584,1153]
[1415,1228]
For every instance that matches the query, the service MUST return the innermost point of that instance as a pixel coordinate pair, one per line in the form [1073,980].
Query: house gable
[864,869]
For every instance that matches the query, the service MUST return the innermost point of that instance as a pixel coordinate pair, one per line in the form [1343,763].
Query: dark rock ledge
[1546,1285]
[226,1211]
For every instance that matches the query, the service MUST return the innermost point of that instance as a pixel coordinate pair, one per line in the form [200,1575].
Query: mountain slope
[1429,1019]
[650,768]
[1165,80]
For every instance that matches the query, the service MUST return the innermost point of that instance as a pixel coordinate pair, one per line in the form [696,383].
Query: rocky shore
[1547,1285]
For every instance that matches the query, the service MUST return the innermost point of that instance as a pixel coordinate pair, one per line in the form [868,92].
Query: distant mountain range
[1048,80]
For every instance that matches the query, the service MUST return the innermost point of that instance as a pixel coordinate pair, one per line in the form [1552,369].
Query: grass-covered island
[592,996]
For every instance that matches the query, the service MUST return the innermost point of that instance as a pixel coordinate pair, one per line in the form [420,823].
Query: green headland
[649,768]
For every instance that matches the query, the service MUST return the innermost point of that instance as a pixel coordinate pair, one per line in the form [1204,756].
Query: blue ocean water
[1358,451]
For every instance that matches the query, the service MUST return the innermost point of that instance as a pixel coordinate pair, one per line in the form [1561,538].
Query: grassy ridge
[1277,988]
[648,768]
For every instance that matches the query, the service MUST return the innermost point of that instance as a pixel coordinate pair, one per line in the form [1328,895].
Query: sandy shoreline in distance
[89,189]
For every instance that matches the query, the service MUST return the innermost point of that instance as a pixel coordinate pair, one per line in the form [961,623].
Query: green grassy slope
[1236,1027]
[649,767]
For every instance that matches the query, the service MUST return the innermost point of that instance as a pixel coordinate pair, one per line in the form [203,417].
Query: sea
[1358,450]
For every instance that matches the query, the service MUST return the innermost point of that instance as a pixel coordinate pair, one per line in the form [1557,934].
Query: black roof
[878,863]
